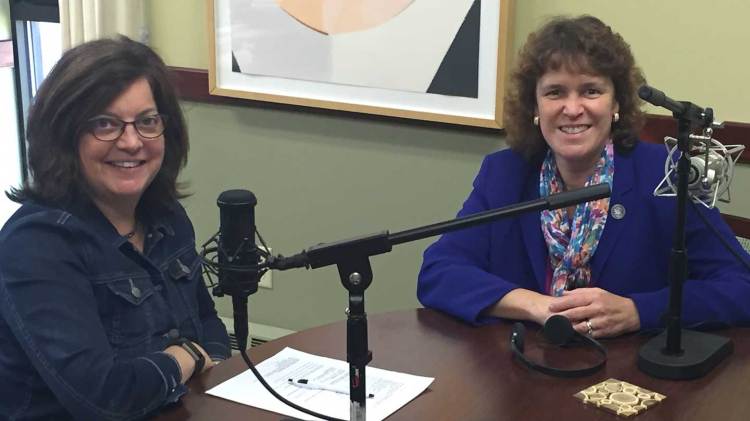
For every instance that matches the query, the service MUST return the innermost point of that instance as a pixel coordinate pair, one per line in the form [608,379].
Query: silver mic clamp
[711,168]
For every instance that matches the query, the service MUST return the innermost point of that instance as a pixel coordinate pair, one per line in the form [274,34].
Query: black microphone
[660,99]
[238,255]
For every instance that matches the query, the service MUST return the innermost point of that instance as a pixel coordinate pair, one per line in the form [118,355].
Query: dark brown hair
[583,44]
[85,81]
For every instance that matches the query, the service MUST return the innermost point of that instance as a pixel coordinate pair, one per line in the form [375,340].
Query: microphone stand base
[701,352]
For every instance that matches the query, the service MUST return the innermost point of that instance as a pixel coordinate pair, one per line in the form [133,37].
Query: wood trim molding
[193,85]
[6,53]
[739,225]
[733,133]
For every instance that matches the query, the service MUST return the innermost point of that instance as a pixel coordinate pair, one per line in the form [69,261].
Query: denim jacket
[86,317]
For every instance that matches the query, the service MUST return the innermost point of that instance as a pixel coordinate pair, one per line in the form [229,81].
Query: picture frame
[419,59]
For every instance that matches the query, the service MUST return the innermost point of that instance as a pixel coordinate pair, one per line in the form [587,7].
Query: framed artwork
[433,60]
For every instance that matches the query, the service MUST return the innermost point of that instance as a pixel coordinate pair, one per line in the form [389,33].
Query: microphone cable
[277,395]
[211,271]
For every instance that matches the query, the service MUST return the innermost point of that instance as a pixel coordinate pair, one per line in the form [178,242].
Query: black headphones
[559,331]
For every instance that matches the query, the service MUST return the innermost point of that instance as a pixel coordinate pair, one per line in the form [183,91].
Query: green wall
[323,177]
[4,20]
[687,48]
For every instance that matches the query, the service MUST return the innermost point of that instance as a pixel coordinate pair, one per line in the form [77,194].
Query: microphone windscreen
[651,95]
[238,255]
[236,198]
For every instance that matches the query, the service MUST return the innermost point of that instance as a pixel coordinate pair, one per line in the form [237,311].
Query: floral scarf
[572,242]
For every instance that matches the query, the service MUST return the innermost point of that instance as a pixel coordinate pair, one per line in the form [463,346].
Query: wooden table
[477,379]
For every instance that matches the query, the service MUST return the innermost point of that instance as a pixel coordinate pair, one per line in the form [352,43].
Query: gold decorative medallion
[619,397]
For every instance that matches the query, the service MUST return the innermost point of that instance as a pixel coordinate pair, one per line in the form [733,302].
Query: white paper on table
[392,390]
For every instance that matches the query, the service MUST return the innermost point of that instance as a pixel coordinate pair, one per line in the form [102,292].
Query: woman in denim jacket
[104,312]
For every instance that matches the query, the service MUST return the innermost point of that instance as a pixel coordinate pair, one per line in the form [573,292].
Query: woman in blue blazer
[572,114]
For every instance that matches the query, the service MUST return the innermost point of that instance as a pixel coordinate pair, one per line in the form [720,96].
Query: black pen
[306,384]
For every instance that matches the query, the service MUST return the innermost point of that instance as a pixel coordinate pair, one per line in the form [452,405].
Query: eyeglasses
[109,129]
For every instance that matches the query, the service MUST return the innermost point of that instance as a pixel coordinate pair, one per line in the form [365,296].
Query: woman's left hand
[596,312]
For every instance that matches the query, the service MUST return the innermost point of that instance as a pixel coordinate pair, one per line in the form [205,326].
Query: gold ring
[591,328]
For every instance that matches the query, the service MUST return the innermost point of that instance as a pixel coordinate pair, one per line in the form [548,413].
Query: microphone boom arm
[326,254]
[352,258]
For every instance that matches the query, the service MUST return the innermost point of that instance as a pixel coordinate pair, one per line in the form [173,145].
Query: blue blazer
[466,271]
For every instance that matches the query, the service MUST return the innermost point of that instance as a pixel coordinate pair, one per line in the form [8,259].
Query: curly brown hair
[84,82]
[581,44]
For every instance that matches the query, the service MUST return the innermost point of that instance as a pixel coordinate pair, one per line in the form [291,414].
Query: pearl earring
[536,120]
[616,117]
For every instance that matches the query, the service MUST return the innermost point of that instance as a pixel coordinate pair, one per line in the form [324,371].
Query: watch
[193,351]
